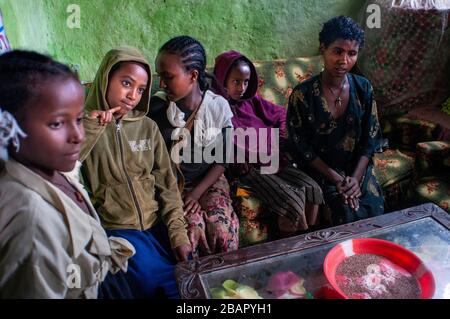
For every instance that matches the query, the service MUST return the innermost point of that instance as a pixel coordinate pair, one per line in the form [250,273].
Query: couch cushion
[407,132]
[394,172]
[397,196]
[432,158]
[253,223]
[393,166]
[434,189]
[446,107]
[277,78]
[434,115]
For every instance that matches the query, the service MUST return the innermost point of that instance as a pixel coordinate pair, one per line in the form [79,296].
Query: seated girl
[289,193]
[187,103]
[52,244]
[127,169]
[333,128]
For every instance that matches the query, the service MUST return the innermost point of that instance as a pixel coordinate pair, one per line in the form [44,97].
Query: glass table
[423,229]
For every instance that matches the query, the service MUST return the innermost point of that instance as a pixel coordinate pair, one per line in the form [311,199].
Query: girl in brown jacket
[127,169]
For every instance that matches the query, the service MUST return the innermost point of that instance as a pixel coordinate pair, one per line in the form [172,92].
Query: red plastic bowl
[396,254]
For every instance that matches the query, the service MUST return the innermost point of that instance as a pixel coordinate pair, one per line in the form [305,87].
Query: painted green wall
[262,29]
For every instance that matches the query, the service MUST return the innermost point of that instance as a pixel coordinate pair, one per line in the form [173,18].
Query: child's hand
[197,237]
[218,235]
[104,117]
[191,204]
[197,233]
[182,252]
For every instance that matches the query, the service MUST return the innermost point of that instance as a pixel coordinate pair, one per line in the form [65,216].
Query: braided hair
[22,75]
[192,55]
[341,28]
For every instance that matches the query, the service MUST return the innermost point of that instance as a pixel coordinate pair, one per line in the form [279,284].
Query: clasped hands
[350,191]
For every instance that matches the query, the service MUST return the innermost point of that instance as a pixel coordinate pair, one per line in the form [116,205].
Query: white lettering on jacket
[140,146]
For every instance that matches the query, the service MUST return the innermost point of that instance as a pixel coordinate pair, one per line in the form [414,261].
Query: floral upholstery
[432,173]
[434,189]
[405,132]
[432,158]
[393,166]
[446,106]
[253,223]
[434,115]
[407,68]
[277,78]
[394,171]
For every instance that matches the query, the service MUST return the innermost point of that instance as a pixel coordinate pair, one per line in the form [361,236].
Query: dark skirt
[371,202]
[286,192]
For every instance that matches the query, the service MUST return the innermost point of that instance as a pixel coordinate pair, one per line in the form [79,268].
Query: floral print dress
[340,142]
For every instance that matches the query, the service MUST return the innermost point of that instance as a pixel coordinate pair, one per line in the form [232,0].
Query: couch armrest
[408,132]
[432,158]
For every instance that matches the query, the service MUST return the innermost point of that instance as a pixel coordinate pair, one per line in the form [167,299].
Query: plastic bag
[407,59]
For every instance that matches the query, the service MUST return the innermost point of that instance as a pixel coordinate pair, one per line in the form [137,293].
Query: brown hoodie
[126,166]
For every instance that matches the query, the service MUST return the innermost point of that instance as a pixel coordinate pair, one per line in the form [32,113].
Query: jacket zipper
[130,185]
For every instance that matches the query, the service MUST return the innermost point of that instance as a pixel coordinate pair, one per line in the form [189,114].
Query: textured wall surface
[262,29]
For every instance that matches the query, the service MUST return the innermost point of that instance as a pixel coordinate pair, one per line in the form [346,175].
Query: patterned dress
[340,143]
[215,228]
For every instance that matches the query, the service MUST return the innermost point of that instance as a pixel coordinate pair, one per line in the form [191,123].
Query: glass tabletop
[426,237]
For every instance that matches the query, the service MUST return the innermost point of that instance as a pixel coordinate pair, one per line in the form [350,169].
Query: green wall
[262,29]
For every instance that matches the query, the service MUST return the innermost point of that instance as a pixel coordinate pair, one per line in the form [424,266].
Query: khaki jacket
[49,247]
[126,166]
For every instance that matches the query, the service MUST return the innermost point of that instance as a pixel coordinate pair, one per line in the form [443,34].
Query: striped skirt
[286,193]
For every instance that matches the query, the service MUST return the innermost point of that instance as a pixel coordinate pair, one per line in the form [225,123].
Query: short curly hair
[341,28]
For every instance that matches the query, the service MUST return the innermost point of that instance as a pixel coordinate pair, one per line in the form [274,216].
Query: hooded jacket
[126,165]
[252,110]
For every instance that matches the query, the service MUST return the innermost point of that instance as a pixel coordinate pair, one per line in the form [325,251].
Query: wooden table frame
[188,273]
